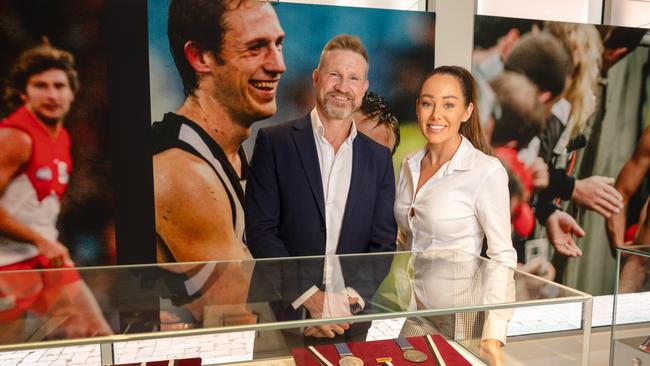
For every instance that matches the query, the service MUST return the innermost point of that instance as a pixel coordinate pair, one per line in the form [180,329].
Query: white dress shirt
[464,201]
[336,174]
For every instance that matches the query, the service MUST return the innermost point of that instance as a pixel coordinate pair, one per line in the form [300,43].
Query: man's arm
[193,213]
[194,219]
[627,182]
[15,152]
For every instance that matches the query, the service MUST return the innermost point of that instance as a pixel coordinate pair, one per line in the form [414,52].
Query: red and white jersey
[33,197]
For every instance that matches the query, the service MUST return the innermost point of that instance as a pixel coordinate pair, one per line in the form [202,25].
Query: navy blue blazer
[285,210]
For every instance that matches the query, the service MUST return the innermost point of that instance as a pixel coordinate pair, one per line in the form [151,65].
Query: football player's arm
[194,219]
[15,152]
[627,182]
[193,213]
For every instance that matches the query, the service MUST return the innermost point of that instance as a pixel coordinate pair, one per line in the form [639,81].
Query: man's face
[340,82]
[247,80]
[378,132]
[48,95]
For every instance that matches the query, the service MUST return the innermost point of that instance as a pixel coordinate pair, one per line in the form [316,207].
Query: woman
[451,194]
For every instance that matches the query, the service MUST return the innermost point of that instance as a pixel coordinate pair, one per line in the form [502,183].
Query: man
[316,187]
[230,72]
[35,163]
[518,118]
[494,38]
[35,167]
[376,120]
[546,63]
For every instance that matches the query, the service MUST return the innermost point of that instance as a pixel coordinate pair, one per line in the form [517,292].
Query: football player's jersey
[33,197]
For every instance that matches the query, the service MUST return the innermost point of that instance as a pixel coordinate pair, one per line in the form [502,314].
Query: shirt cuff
[302,298]
[353,293]
[496,325]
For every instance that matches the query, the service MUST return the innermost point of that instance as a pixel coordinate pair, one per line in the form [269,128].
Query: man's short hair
[488,30]
[543,59]
[34,61]
[345,42]
[519,115]
[202,22]
[374,106]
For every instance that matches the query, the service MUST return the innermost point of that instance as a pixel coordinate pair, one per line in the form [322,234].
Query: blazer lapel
[359,166]
[303,137]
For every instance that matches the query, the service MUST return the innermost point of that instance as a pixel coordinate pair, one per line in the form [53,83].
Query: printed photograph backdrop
[400,47]
[612,124]
[86,220]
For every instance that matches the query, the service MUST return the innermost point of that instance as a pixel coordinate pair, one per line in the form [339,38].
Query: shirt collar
[561,109]
[319,129]
[462,160]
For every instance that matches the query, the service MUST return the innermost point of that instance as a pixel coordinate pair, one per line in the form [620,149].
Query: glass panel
[447,289]
[637,249]
[631,324]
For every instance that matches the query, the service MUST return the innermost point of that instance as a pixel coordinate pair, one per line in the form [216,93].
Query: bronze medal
[409,352]
[414,355]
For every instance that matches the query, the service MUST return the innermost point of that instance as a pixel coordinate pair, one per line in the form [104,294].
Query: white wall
[630,13]
[560,10]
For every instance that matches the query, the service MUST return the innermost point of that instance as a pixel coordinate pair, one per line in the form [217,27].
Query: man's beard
[49,121]
[334,112]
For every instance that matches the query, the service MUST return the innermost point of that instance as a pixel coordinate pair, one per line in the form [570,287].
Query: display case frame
[630,327]
[443,262]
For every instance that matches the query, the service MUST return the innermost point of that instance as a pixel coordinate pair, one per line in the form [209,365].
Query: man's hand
[315,307]
[560,228]
[597,193]
[539,171]
[55,252]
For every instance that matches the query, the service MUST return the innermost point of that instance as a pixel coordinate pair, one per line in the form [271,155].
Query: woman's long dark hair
[472,129]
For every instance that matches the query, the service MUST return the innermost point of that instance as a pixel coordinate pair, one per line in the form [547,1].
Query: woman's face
[441,109]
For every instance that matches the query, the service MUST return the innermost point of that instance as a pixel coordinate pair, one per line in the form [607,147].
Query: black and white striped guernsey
[176,131]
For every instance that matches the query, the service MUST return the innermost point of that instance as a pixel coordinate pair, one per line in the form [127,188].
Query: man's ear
[314,77]
[197,58]
[544,97]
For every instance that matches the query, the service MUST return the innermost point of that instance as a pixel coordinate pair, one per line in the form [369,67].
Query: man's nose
[275,61]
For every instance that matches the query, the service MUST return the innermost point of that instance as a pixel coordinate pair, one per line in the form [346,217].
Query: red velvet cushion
[370,351]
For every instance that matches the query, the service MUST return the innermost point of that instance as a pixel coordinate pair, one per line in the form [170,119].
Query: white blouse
[465,200]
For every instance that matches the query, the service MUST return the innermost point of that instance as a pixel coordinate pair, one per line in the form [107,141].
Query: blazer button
[322,228]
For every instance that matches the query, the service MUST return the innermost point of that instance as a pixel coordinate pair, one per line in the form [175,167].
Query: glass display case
[463,300]
[631,317]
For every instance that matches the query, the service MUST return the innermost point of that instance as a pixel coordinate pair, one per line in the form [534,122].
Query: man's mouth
[340,97]
[264,85]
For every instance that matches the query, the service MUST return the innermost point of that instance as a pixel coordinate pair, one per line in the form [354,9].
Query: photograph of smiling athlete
[452,194]
[229,57]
